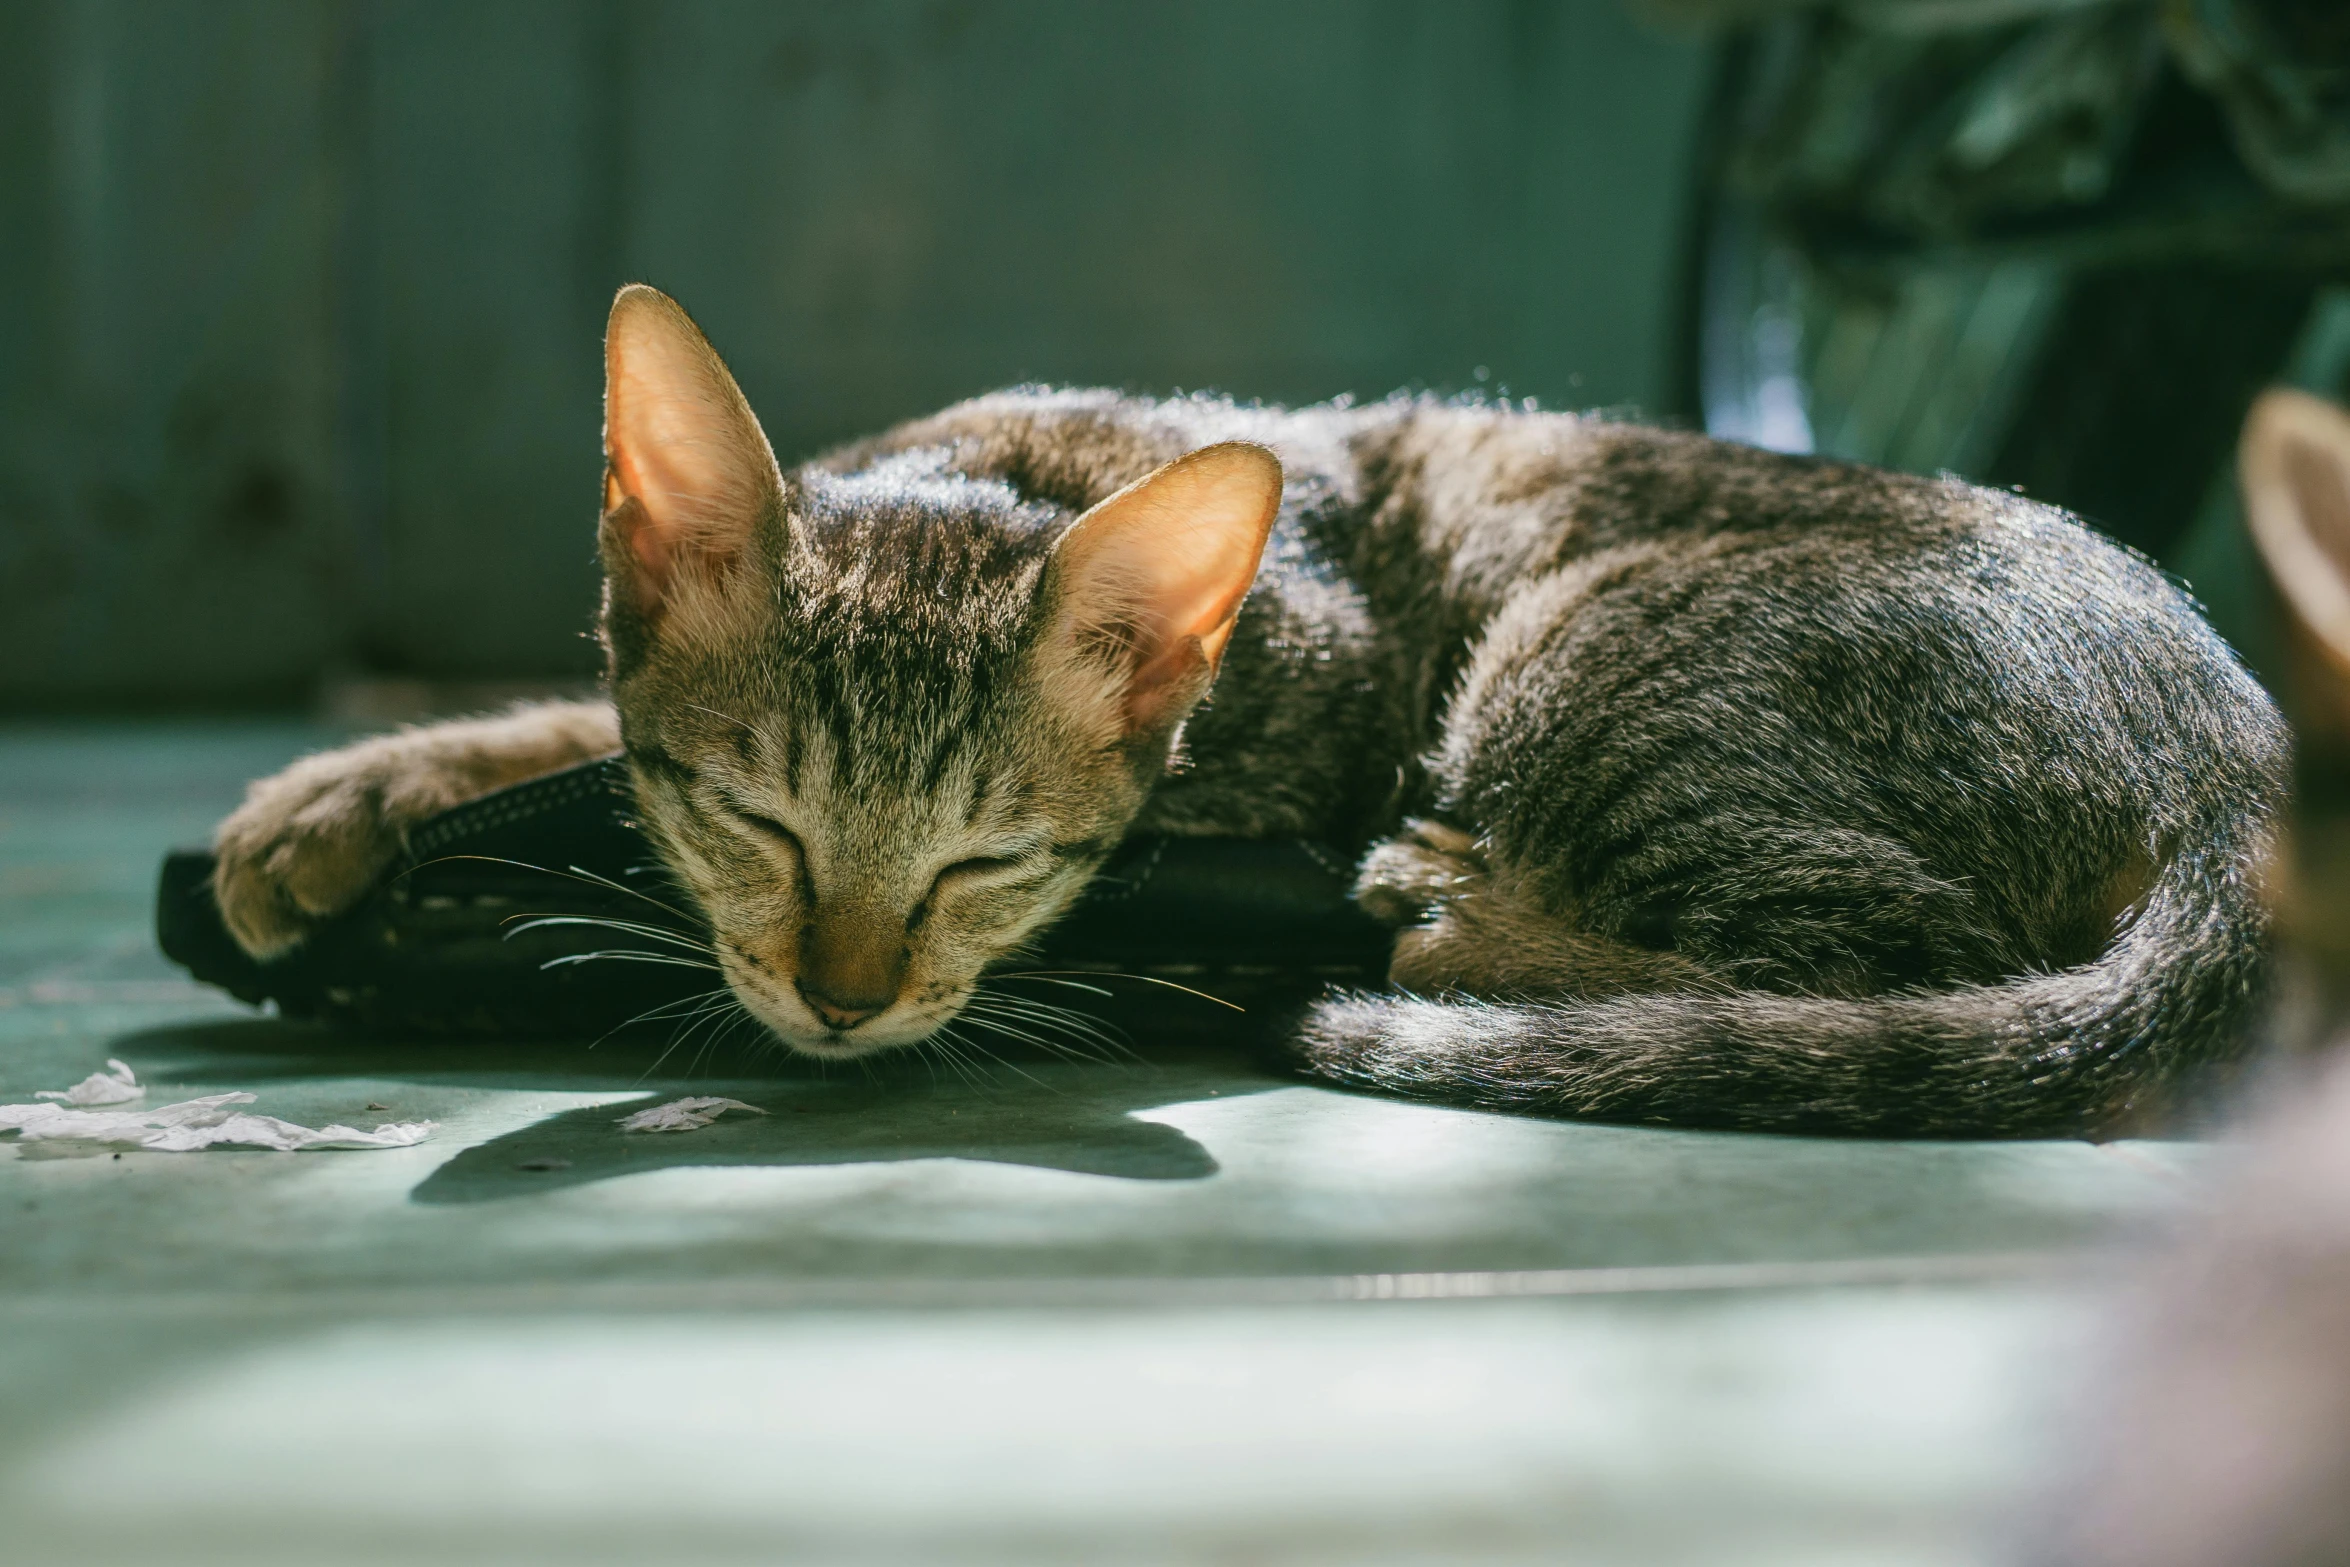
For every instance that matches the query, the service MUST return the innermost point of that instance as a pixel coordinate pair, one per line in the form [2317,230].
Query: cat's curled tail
[2093,1050]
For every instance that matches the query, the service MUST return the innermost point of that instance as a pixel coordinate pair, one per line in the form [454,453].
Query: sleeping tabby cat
[1702,785]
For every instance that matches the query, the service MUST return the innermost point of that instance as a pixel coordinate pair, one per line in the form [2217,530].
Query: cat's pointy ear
[688,473]
[2294,466]
[1152,579]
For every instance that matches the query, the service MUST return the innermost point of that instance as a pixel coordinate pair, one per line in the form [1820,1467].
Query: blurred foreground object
[2045,243]
[2228,1441]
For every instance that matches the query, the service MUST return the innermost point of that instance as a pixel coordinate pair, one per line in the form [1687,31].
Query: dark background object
[2142,380]
[300,300]
[2054,244]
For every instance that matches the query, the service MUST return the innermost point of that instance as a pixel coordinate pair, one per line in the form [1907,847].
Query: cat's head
[886,725]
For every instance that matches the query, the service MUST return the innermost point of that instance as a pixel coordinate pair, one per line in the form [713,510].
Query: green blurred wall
[299,299]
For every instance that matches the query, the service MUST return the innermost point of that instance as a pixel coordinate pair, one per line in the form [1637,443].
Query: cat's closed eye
[771,828]
[768,827]
[976,869]
[971,872]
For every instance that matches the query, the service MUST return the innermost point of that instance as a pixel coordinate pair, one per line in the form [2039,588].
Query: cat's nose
[842,1012]
[851,966]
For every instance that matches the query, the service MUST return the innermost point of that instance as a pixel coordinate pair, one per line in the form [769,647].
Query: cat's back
[1440,511]
[1487,493]
[1491,497]
[1075,446]
[1503,493]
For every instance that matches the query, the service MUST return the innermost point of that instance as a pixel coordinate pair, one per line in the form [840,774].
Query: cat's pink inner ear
[1160,570]
[688,471]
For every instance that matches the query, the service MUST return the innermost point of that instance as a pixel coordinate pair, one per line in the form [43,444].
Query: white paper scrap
[211,1122]
[117,1085]
[684,1115]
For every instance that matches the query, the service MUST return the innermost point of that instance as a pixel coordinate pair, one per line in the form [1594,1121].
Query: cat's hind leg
[1408,877]
[1476,928]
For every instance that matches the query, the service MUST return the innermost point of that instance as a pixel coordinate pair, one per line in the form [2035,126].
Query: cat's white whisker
[1072,1031]
[723,1035]
[1047,979]
[1010,1026]
[1008,1066]
[574,873]
[594,878]
[652,1013]
[717,1005]
[950,1051]
[1147,979]
[1066,1048]
[673,938]
[1062,1019]
[626,955]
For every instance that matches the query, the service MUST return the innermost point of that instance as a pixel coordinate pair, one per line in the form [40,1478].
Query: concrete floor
[1180,1311]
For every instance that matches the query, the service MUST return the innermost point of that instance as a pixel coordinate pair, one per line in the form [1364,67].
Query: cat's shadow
[1001,1121]
[1077,1116]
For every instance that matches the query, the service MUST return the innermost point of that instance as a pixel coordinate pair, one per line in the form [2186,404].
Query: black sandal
[493,924]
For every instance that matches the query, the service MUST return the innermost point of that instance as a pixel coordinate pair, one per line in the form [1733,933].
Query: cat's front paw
[304,845]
